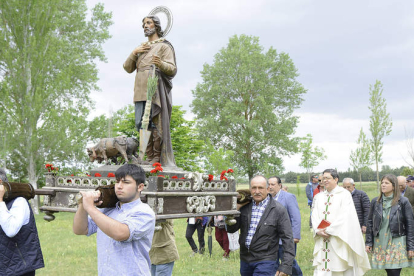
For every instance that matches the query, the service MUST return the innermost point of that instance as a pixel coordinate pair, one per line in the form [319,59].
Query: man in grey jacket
[262,223]
[361,202]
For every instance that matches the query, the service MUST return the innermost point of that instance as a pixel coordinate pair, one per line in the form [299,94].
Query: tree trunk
[33,180]
[360,181]
[378,188]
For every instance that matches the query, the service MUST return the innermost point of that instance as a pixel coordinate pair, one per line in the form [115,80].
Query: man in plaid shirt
[262,223]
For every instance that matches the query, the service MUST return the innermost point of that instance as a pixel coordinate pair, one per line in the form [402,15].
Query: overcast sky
[339,49]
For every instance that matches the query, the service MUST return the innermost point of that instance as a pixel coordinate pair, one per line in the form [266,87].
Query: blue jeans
[296,271]
[264,268]
[162,269]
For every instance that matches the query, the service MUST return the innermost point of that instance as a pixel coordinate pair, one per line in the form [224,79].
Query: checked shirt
[257,212]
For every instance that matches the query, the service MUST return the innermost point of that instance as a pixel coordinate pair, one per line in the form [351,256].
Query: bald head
[402,184]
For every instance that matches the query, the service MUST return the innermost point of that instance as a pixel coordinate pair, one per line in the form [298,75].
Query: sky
[339,48]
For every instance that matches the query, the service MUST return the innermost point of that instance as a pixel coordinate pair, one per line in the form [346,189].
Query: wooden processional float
[169,198]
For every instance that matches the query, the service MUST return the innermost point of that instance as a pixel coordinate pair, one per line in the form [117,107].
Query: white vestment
[343,253]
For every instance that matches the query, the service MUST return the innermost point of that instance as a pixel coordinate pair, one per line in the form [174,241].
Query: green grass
[68,254]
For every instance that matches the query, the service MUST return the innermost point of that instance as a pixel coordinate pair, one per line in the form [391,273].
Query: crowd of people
[269,227]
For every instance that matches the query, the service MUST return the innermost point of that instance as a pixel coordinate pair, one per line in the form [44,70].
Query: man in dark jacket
[406,191]
[262,223]
[361,202]
[20,252]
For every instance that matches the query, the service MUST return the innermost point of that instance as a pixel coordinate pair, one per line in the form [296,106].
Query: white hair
[349,180]
[3,175]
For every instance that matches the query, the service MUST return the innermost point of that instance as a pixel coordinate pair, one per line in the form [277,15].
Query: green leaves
[380,124]
[47,71]
[245,104]
[311,156]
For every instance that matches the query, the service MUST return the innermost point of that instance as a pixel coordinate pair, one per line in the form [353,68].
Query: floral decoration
[51,168]
[98,175]
[223,173]
[111,175]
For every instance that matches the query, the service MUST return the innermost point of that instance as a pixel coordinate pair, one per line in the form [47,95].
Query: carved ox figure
[112,148]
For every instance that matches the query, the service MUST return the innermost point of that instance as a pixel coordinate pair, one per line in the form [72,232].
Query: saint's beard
[149,31]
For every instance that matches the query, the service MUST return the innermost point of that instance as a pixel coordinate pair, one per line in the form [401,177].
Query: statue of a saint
[158,51]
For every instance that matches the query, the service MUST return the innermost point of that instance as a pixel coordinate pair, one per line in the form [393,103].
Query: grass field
[67,254]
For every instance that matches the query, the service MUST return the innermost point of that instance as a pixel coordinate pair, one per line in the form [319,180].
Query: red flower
[230,171]
[69,181]
[223,172]
[98,175]
[88,175]
[72,174]
[154,171]
[210,177]
[111,175]
[223,178]
[182,178]
[57,169]
[174,177]
[161,175]
[156,164]
[159,168]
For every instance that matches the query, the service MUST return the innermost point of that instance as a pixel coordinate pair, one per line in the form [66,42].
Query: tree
[380,124]
[409,142]
[217,160]
[184,136]
[310,155]
[48,51]
[361,158]
[245,104]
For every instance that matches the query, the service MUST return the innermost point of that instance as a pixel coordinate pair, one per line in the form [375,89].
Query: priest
[339,245]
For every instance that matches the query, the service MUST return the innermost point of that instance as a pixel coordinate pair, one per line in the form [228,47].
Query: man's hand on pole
[90,199]
[156,60]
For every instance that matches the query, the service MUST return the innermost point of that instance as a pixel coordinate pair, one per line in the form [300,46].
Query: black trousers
[200,233]
[31,273]
[393,272]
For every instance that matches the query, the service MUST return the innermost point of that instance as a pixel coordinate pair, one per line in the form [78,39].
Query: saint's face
[149,27]
[127,189]
[386,187]
[274,187]
[258,189]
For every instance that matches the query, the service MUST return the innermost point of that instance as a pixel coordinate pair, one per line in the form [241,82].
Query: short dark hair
[3,175]
[332,172]
[136,172]
[157,24]
[279,181]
